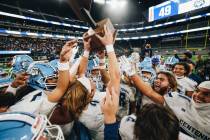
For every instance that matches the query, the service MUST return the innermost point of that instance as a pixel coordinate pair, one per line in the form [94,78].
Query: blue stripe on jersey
[35,96]
[185,97]
[94,102]
[169,94]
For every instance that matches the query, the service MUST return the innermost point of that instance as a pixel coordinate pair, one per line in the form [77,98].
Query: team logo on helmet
[20,63]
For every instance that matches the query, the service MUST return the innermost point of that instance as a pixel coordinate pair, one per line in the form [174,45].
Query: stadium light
[116,3]
[99,1]
[123,3]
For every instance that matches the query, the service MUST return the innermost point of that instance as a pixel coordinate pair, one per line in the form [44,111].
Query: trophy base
[95,43]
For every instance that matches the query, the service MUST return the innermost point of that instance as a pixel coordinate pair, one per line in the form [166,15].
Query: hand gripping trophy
[82,10]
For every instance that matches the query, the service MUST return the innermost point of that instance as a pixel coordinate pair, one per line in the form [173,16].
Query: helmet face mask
[42,76]
[24,125]
[94,74]
[96,77]
[50,82]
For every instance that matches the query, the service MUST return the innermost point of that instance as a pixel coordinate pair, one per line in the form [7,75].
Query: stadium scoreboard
[175,7]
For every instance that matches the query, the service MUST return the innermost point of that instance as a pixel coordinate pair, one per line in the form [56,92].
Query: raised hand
[74,51]
[127,67]
[20,80]
[86,43]
[110,105]
[66,51]
[107,39]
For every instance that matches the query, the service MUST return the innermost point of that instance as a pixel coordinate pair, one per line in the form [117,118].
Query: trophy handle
[76,6]
[86,14]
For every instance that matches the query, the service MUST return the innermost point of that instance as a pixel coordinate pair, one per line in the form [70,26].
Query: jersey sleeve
[126,129]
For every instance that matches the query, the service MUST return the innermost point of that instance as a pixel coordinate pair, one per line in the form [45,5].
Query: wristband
[63,66]
[86,53]
[101,61]
[11,90]
[109,48]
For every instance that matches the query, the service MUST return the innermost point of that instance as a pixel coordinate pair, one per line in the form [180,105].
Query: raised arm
[147,89]
[104,74]
[113,66]
[63,72]
[84,59]
[139,83]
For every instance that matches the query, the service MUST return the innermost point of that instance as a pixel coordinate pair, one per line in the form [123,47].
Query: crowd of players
[108,97]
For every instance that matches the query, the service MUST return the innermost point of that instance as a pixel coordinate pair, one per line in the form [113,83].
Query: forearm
[74,70]
[147,89]
[83,64]
[114,71]
[62,85]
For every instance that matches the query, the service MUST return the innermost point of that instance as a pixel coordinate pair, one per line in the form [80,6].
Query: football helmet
[25,126]
[20,63]
[148,78]
[94,73]
[147,62]
[54,64]
[156,59]
[42,76]
[170,61]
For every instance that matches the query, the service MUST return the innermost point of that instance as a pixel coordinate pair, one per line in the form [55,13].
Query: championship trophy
[81,8]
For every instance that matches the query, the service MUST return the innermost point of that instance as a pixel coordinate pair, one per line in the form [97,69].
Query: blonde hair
[77,98]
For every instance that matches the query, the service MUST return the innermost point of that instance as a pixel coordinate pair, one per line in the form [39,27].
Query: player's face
[202,95]
[146,75]
[161,83]
[95,72]
[179,70]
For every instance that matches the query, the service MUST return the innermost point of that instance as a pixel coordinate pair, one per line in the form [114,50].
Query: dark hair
[171,79]
[156,122]
[7,99]
[188,54]
[185,65]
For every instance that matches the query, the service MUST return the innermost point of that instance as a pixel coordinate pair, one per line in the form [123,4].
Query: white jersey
[35,102]
[127,94]
[126,129]
[186,84]
[93,117]
[147,100]
[194,122]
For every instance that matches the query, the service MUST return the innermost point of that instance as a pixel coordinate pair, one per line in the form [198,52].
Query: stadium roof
[135,11]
